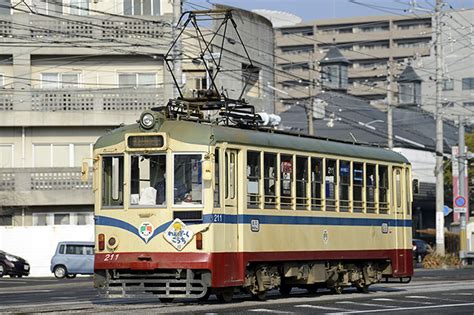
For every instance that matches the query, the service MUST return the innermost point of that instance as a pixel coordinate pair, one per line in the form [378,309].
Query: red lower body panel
[228,269]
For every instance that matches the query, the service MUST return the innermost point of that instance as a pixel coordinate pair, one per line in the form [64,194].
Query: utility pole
[439,171]
[461,183]
[310,95]
[390,103]
[177,53]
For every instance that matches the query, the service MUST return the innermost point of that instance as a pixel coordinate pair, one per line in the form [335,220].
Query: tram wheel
[260,296]
[225,296]
[166,300]
[337,289]
[206,296]
[363,289]
[285,289]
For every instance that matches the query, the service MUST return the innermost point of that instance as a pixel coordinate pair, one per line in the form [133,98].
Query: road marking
[323,307]
[31,291]
[383,299]
[462,293]
[366,304]
[420,297]
[264,310]
[408,308]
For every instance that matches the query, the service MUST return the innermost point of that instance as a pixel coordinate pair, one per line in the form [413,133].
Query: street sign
[460,204]
[460,201]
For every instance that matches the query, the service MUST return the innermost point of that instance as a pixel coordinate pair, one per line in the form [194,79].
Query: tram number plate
[218,218]
[111,257]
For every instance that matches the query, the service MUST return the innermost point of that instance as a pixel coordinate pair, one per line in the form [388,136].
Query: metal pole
[310,95]
[177,48]
[439,135]
[390,104]
[461,181]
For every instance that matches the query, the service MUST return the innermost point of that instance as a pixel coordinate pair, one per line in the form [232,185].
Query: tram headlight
[147,120]
[112,242]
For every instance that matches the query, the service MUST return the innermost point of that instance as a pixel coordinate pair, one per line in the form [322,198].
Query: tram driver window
[112,181]
[187,189]
[148,180]
[331,182]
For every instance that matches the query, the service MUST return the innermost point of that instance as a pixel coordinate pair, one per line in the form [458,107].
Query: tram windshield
[187,188]
[148,180]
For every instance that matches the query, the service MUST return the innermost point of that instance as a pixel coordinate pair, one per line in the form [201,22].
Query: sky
[328,9]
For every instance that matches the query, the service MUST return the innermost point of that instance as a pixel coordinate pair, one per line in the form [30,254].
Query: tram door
[399,209]
[231,199]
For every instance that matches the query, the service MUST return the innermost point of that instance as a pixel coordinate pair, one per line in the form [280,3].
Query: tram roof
[196,133]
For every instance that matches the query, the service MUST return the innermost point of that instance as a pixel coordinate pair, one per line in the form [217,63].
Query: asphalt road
[431,291]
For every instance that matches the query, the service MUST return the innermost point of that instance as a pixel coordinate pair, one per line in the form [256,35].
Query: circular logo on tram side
[146,231]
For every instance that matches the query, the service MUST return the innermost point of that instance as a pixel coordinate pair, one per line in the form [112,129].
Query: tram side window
[398,189]
[269,179]
[301,182]
[331,181]
[216,179]
[383,189]
[148,180]
[344,185]
[187,189]
[286,180]
[358,186]
[253,179]
[316,183]
[112,181]
[371,186]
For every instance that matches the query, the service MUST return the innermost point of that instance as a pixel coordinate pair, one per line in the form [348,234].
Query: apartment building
[70,71]
[369,43]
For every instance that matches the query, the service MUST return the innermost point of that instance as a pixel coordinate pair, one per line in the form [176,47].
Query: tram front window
[148,180]
[187,189]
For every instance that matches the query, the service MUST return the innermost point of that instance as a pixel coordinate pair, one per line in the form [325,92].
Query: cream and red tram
[183,209]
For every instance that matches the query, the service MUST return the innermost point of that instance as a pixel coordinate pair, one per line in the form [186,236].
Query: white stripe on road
[404,301]
[366,304]
[383,299]
[408,308]
[462,293]
[420,297]
[323,308]
[264,310]
[20,292]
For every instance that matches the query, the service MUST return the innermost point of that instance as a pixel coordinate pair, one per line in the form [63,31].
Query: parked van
[72,258]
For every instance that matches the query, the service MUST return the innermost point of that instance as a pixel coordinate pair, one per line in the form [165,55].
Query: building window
[41,219]
[148,180]
[413,43]
[300,49]
[468,83]
[61,155]
[137,80]
[84,219]
[468,104]
[54,80]
[448,84]
[301,31]
[251,80]
[6,220]
[141,7]
[48,7]
[375,28]
[7,155]
[79,7]
[62,219]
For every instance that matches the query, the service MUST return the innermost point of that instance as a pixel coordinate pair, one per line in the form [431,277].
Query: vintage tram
[185,208]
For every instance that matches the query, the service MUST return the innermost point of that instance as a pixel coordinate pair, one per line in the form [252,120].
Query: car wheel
[2,270]
[60,271]
[419,259]
[70,275]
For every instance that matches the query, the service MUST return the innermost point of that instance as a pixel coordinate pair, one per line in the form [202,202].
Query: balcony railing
[95,28]
[42,178]
[98,101]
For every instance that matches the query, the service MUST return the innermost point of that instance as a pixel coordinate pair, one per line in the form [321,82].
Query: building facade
[371,44]
[72,70]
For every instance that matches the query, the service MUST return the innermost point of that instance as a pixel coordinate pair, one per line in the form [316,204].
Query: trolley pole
[177,53]
[390,103]
[439,172]
[462,183]
[310,95]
